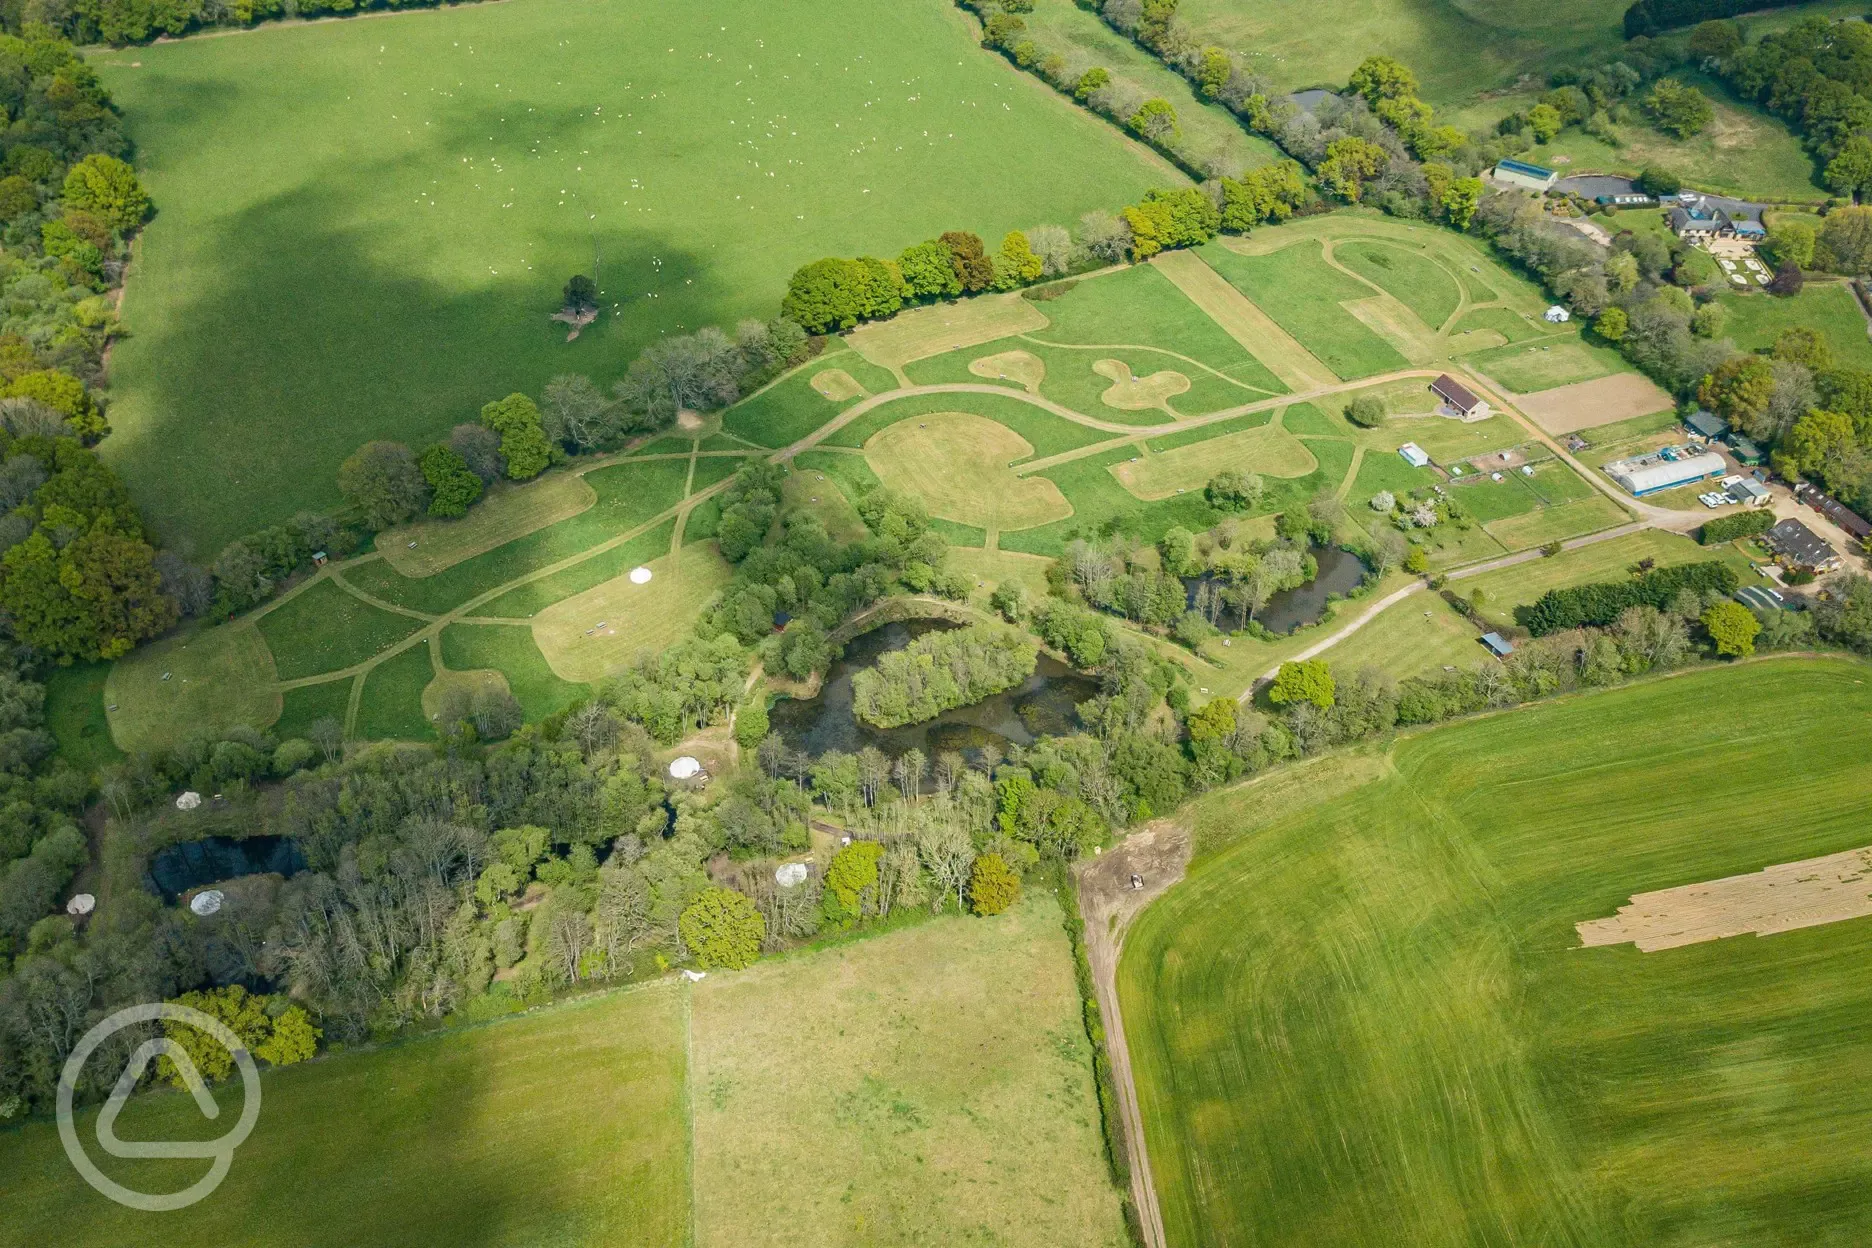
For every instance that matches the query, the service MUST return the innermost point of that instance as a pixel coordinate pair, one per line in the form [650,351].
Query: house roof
[1799,543]
[1454,393]
[1745,226]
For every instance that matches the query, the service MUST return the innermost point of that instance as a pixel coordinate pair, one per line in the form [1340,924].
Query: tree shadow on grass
[240,392]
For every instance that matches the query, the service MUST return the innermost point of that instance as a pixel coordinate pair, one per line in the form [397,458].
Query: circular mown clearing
[469,682]
[1131,393]
[199,681]
[1022,366]
[958,465]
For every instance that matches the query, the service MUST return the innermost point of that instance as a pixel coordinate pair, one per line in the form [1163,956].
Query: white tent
[790,874]
[1557,314]
[82,904]
[684,768]
[188,801]
[640,576]
[205,904]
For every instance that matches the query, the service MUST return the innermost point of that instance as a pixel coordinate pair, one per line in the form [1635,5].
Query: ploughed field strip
[1775,899]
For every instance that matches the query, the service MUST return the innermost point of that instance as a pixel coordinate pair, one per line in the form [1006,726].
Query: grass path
[1247,324]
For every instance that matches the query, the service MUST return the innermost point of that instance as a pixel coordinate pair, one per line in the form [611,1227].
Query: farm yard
[1019,424]
[364,232]
[1405,1008]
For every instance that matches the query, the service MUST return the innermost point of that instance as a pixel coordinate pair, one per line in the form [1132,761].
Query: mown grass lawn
[1370,1020]
[1755,321]
[1303,294]
[363,226]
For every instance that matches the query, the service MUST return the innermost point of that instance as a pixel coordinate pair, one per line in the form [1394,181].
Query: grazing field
[364,225]
[391,707]
[926,1086]
[200,680]
[1754,321]
[1306,296]
[1416,282]
[1457,47]
[510,650]
[793,407]
[957,464]
[564,1126]
[1416,637]
[76,717]
[1371,1021]
[593,634]
[1526,369]
[324,629]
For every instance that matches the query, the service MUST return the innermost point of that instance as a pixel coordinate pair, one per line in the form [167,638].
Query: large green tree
[722,928]
[523,439]
[384,483]
[109,188]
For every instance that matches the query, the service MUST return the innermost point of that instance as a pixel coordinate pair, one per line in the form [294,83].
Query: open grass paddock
[363,226]
[505,512]
[564,1126]
[927,1086]
[201,679]
[1365,1017]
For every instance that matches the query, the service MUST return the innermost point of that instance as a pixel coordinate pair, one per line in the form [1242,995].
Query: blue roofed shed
[1498,645]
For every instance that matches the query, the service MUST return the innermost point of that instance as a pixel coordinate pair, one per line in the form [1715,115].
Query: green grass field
[510,650]
[363,226]
[1303,294]
[324,629]
[391,706]
[1370,1021]
[564,1126]
[1422,286]
[1457,47]
[1526,369]
[928,1086]
[1754,321]
[1046,433]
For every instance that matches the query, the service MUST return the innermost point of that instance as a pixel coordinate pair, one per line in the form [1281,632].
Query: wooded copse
[940,671]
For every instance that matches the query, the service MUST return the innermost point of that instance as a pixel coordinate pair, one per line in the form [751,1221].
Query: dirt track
[1159,852]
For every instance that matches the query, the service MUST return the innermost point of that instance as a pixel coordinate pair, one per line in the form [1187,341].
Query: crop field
[1754,321]
[475,1136]
[1371,1021]
[364,225]
[937,1081]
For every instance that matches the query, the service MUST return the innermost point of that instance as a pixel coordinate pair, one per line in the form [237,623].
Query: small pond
[191,864]
[1340,572]
[1042,706]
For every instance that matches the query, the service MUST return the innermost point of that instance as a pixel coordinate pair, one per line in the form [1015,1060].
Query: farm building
[1665,470]
[1834,510]
[1459,398]
[1706,425]
[1800,546]
[1498,645]
[1527,177]
[1750,493]
[1414,455]
[1744,449]
[1557,315]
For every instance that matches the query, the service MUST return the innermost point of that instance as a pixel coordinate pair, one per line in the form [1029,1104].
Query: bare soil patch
[1776,899]
[1022,366]
[1589,404]
[1131,393]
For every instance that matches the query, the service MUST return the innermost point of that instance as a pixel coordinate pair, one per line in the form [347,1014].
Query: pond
[1041,706]
[1340,572]
[191,864]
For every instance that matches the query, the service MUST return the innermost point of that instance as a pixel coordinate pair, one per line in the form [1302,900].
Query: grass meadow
[363,226]
[1365,1018]
[1305,295]
[931,1085]
[563,1126]
[1754,321]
